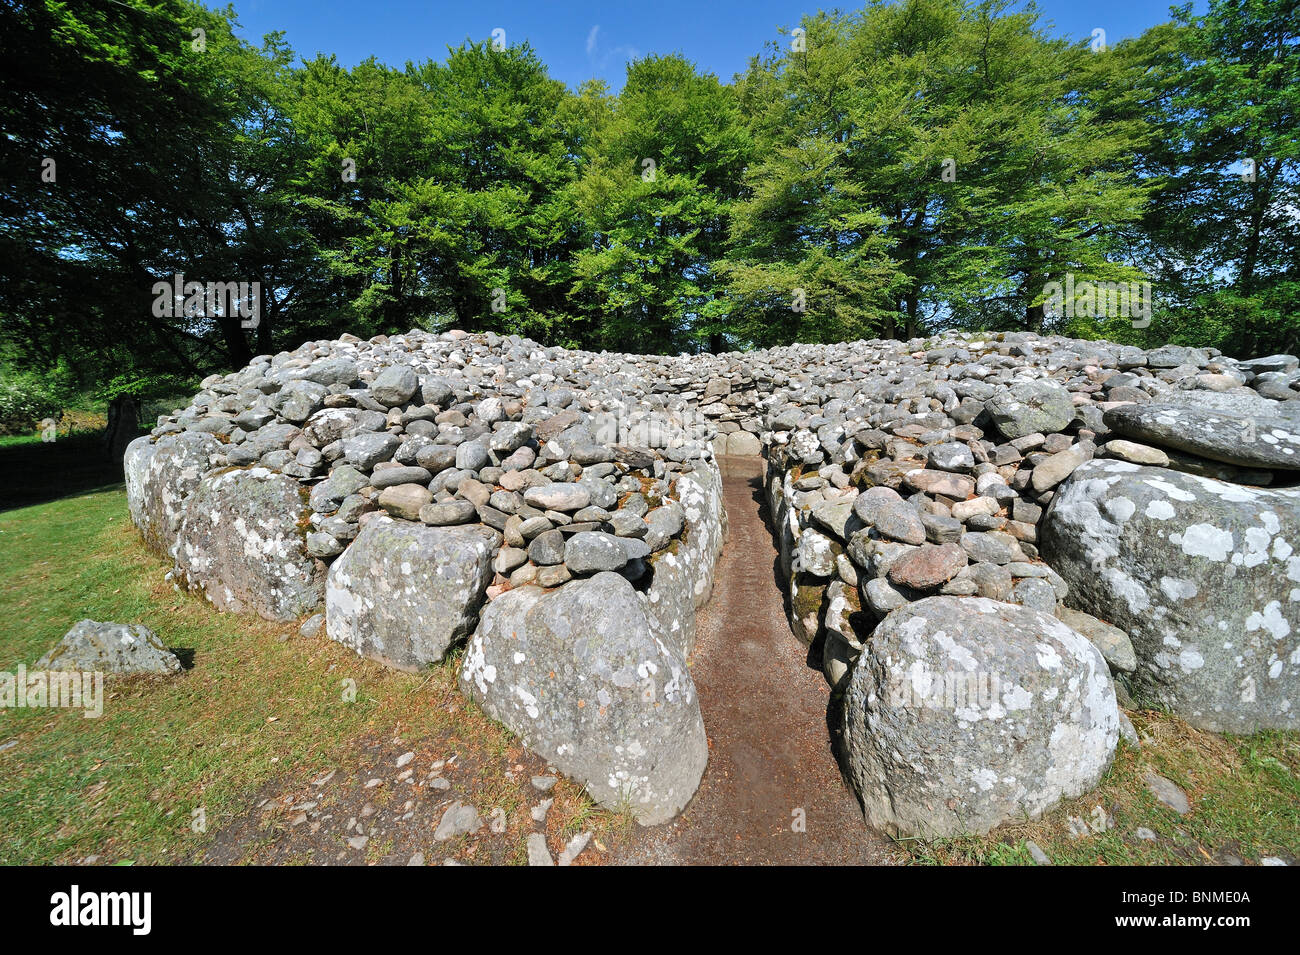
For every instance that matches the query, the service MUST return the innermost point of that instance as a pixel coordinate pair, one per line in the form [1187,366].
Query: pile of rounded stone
[1121,492]
[903,470]
[423,429]
[1075,519]
[414,483]
[926,475]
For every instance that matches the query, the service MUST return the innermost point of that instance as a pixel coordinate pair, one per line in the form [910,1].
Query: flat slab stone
[1242,401]
[1242,440]
[1113,642]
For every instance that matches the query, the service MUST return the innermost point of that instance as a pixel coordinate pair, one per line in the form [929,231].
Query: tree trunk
[232,334]
[1261,196]
[397,309]
[264,326]
[1034,314]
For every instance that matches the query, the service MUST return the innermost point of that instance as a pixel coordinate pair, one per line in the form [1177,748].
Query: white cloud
[602,59]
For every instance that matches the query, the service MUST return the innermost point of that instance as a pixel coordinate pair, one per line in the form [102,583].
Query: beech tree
[888,171]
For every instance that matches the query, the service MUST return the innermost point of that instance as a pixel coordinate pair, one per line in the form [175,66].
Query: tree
[142,135]
[809,255]
[898,169]
[972,160]
[658,176]
[1223,233]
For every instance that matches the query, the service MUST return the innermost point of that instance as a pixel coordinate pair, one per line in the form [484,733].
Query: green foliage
[24,401]
[810,256]
[919,164]
[26,397]
[661,166]
[145,387]
[1222,235]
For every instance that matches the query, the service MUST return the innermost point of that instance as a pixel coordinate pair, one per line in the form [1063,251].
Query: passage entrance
[772,793]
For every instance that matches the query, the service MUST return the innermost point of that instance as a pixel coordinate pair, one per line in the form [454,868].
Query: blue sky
[583,40]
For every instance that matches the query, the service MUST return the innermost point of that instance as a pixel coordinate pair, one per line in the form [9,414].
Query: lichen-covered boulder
[1245,440]
[1201,574]
[160,477]
[404,593]
[1030,407]
[963,713]
[580,676]
[122,648]
[243,542]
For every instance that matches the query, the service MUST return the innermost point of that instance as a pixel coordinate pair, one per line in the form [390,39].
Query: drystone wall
[989,542]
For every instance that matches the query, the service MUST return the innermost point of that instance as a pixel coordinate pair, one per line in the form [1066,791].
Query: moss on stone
[808,599]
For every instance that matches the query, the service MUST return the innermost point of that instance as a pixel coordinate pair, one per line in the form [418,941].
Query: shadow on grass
[35,471]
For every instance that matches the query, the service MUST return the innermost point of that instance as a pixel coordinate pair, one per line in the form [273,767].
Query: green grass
[36,471]
[259,704]
[1244,790]
[29,442]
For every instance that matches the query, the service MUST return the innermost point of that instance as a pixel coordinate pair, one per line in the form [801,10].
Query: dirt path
[770,760]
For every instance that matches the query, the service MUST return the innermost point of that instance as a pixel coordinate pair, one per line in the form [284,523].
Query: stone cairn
[989,540]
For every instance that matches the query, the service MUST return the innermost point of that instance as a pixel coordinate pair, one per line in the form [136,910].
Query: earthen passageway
[772,793]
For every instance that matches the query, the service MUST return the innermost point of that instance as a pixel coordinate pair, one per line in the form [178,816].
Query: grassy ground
[261,712]
[36,471]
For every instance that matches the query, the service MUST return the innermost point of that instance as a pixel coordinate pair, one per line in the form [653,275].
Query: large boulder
[579,675]
[1239,401]
[395,385]
[1201,575]
[334,424]
[963,713]
[1030,407]
[243,542]
[404,593]
[336,370]
[160,477]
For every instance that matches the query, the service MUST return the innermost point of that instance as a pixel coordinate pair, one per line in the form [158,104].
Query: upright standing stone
[578,674]
[403,593]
